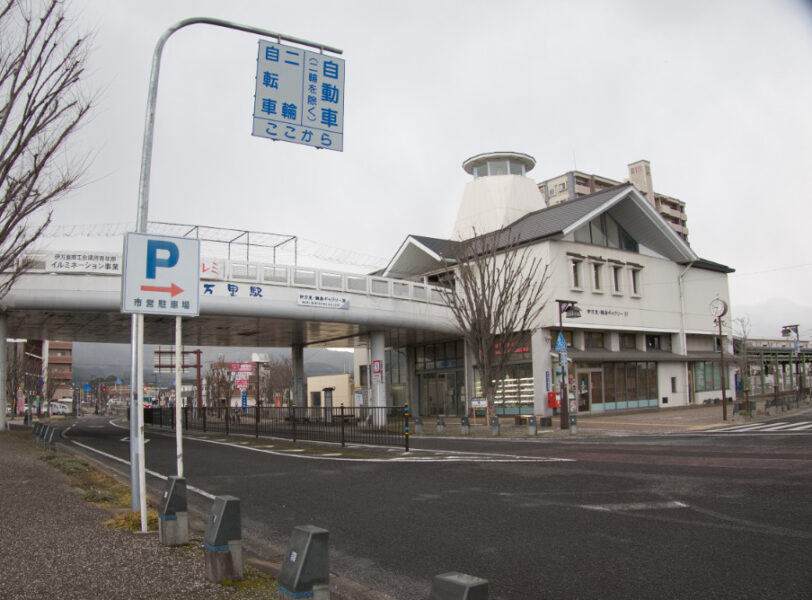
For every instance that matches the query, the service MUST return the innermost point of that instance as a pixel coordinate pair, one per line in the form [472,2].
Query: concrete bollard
[465,426]
[495,426]
[306,566]
[222,544]
[532,428]
[458,586]
[173,518]
[440,424]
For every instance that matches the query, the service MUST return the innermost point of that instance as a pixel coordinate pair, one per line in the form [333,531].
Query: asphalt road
[673,516]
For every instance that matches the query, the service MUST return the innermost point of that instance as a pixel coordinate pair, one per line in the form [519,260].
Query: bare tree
[41,66]
[15,372]
[219,382]
[279,377]
[496,296]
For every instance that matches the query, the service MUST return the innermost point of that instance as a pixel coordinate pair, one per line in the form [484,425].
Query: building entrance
[441,394]
[589,389]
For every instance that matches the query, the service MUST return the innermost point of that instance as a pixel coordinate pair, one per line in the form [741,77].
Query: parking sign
[161,275]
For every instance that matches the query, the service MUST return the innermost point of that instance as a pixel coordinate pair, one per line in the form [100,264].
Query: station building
[646,336]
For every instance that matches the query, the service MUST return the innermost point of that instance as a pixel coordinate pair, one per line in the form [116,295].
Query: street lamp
[573,312]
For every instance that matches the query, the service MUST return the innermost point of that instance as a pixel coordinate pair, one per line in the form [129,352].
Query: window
[596,277]
[498,167]
[652,342]
[604,231]
[628,341]
[576,273]
[707,376]
[635,274]
[562,186]
[617,278]
[594,340]
[567,339]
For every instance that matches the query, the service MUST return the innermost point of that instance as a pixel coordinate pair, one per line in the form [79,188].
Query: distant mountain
[105,360]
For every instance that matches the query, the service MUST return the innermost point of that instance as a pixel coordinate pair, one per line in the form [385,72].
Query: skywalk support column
[377,343]
[297,358]
[3,369]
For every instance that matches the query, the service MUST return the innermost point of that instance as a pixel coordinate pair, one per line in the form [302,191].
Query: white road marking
[632,506]
[149,472]
[775,427]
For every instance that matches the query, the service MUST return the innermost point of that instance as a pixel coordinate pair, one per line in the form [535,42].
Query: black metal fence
[383,426]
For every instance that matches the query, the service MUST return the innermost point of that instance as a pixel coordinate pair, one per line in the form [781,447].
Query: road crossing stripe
[780,427]
[742,427]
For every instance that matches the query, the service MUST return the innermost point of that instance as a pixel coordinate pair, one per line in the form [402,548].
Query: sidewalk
[53,544]
[684,419]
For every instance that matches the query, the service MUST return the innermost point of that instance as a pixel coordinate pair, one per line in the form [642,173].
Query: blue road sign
[560,343]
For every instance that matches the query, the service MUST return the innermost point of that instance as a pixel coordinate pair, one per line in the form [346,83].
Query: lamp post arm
[152,95]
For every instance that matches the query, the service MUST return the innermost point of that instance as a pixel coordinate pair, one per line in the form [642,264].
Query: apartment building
[60,369]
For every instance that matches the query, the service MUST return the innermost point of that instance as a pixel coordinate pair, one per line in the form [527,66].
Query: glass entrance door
[442,394]
[589,390]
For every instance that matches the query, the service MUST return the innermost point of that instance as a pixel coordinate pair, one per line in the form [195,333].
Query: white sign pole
[178,397]
[142,476]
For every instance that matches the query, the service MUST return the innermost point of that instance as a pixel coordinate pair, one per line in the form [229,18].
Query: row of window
[707,376]
[620,277]
[599,340]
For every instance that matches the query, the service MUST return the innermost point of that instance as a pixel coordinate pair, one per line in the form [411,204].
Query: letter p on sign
[169,256]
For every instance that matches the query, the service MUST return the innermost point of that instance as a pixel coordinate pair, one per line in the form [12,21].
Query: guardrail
[381,426]
[213,269]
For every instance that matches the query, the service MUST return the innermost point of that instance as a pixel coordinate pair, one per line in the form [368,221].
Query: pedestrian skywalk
[774,427]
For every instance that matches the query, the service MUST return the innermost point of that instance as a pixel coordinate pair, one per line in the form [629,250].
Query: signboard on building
[299,96]
[322,300]
[377,371]
[161,275]
[83,262]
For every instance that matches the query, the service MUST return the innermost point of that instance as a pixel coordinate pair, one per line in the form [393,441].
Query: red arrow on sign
[173,289]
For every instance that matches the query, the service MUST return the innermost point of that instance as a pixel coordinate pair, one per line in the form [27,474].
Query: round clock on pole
[718,307]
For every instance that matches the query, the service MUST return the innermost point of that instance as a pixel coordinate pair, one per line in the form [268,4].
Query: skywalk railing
[73,262]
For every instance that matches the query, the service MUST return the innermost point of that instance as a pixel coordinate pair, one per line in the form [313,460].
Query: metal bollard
[173,518]
[573,424]
[440,424]
[222,544]
[306,565]
[532,428]
[465,426]
[495,426]
[458,586]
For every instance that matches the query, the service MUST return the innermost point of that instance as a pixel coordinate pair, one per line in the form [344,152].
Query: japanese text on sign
[84,263]
[299,96]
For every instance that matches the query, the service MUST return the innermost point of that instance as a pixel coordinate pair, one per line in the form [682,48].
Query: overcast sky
[717,95]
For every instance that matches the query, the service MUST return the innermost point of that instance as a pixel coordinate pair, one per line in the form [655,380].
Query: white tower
[499,194]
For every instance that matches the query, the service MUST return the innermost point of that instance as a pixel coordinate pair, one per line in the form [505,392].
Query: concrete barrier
[222,544]
[458,586]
